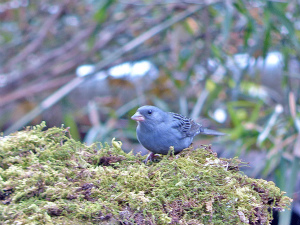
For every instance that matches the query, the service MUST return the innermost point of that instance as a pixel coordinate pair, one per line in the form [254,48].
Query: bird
[158,130]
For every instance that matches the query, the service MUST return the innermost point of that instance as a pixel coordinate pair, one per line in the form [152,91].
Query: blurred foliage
[215,58]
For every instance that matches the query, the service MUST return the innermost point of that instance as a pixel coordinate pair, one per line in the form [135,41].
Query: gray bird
[157,130]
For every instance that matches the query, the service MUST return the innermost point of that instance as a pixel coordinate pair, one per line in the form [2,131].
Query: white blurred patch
[53,9]
[100,75]
[220,115]
[273,58]
[241,60]
[124,70]
[140,68]
[84,70]
[258,92]
[120,70]
[71,21]
[137,69]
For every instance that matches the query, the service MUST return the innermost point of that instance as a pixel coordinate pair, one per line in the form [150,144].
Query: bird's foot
[150,157]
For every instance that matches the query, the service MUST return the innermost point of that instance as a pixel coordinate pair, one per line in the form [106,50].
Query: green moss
[48,178]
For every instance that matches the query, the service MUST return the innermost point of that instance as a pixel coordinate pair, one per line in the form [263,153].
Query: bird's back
[187,126]
[160,139]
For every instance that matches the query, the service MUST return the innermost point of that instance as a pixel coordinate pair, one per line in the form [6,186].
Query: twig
[199,104]
[126,107]
[264,134]
[33,89]
[292,104]
[48,102]
[93,114]
[74,42]
[37,41]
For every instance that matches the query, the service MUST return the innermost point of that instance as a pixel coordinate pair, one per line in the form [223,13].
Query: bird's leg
[150,157]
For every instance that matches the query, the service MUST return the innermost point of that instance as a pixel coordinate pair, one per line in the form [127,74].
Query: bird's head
[149,114]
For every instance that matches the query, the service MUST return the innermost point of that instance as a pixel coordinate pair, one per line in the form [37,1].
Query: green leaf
[250,27]
[267,35]
[184,56]
[237,132]
[216,51]
[240,6]
[248,31]
[227,23]
[188,28]
[91,41]
[69,121]
[255,112]
[101,14]
[278,10]
[233,116]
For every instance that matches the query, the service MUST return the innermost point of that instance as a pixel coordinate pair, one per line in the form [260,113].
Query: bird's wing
[186,126]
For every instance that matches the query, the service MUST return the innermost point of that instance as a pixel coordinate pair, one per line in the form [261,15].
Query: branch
[41,35]
[60,51]
[33,89]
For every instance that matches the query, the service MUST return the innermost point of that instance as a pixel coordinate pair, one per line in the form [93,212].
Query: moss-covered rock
[48,178]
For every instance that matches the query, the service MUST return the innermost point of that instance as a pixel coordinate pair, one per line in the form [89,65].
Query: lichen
[48,178]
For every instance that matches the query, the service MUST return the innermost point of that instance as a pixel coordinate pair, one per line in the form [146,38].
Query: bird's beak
[138,117]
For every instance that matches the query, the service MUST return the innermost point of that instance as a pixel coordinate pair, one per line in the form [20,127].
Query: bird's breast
[160,139]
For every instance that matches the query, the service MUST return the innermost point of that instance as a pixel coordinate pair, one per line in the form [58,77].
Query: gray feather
[210,132]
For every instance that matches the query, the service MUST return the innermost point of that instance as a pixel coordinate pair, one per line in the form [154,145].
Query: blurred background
[231,65]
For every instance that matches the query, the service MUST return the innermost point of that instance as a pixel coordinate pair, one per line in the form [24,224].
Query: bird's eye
[149,111]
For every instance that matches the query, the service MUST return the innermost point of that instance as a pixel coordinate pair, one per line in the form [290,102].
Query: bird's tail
[211,132]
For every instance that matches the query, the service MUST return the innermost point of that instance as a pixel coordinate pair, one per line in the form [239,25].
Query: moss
[48,178]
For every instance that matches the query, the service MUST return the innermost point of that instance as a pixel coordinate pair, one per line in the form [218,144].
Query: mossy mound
[48,178]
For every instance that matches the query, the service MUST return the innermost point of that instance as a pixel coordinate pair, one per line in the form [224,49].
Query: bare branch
[37,41]
[33,89]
